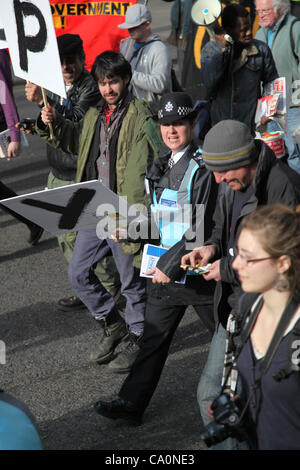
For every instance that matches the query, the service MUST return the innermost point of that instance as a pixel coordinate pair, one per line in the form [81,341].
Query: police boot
[125,359]
[113,331]
[117,408]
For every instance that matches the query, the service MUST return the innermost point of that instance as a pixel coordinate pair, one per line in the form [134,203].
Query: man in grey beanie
[249,176]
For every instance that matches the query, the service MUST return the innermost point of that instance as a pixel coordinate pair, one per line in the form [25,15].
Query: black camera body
[227,423]
[27,124]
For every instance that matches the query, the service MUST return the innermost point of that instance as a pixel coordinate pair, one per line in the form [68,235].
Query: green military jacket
[138,145]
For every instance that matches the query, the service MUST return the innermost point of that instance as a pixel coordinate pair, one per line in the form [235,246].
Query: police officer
[178,181]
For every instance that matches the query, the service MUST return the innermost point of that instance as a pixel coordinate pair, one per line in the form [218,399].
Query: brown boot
[125,359]
[113,332]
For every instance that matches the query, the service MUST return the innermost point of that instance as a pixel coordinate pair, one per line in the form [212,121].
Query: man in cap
[82,92]
[148,56]
[249,176]
[115,141]
[177,179]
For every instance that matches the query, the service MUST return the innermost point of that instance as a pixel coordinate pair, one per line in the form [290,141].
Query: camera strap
[284,321]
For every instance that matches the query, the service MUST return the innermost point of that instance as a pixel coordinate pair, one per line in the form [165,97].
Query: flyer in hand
[278,86]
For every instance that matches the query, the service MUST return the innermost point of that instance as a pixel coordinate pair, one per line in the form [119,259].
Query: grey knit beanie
[228,145]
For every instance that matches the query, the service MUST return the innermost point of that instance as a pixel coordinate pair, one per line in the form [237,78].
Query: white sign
[32,43]
[80,206]
[3,43]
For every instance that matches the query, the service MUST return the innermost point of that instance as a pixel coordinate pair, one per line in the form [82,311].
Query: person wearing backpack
[18,430]
[148,56]
[268,361]
[281,31]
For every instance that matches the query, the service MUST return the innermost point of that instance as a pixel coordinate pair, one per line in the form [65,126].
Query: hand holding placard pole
[46,103]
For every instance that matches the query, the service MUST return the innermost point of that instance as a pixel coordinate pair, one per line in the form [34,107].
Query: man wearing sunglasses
[249,176]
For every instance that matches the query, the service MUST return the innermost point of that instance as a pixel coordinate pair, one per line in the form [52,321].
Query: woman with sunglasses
[268,263]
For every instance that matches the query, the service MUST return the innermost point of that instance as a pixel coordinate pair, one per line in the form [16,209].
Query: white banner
[32,43]
[80,206]
[3,42]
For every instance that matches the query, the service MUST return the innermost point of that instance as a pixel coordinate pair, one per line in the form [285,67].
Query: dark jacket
[234,84]
[203,191]
[274,182]
[82,95]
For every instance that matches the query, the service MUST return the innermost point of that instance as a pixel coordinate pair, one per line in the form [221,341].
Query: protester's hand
[199,256]
[221,39]
[119,235]
[48,114]
[224,38]
[13,150]
[209,412]
[159,277]
[34,93]
[264,120]
[214,272]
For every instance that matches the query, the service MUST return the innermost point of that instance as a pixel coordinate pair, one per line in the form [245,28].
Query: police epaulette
[197,156]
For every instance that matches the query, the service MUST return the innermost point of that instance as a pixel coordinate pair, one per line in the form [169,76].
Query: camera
[27,124]
[227,423]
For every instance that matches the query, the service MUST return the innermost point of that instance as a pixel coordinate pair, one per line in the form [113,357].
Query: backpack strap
[244,320]
[284,321]
[294,356]
[293,41]
[248,324]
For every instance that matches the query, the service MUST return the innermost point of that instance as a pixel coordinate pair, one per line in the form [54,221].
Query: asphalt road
[47,351]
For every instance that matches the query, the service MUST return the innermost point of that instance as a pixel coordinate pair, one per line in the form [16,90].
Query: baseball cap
[135,16]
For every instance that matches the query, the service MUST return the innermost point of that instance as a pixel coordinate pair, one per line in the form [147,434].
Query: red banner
[96,22]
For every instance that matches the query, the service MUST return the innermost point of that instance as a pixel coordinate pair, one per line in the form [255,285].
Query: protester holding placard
[115,142]
[82,92]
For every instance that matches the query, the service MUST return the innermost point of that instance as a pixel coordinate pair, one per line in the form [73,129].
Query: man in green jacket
[115,143]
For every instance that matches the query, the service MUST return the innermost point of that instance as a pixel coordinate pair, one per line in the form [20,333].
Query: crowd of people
[124,125]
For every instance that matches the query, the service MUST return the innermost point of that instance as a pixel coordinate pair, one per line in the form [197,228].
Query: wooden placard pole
[46,103]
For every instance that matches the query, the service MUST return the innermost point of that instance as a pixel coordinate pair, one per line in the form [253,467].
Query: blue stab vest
[173,213]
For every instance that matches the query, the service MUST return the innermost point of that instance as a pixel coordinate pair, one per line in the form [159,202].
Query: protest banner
[78,206]
[32,43]
[96,22]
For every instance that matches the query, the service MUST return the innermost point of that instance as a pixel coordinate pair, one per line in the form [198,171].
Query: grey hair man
[281,31]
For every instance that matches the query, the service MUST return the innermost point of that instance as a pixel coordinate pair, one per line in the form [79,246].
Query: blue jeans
[88,251]
[209,386]
[293,123]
